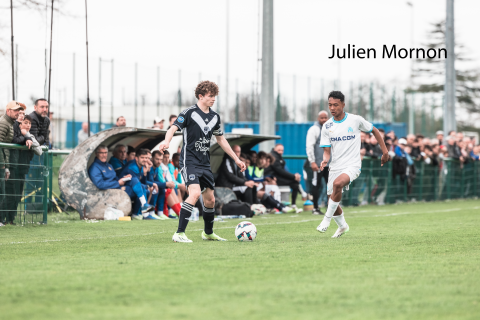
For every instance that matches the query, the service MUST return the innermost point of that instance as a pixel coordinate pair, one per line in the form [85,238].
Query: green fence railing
[376,184]
[23,184]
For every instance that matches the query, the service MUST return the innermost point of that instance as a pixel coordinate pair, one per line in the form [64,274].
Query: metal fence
[376,184]
[23,185]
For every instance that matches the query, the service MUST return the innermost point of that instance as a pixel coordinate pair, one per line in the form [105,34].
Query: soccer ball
[258,209]
[245,231]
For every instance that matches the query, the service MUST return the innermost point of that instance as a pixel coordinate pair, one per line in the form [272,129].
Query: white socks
[340,220]
[332,207]
[142,200]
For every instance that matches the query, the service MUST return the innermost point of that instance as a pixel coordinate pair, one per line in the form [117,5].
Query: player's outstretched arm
[228,150]
[168,137]
[326,157]
[378,136]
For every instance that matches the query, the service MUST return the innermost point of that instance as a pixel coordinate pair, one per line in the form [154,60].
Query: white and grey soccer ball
[258,209]
[245,231]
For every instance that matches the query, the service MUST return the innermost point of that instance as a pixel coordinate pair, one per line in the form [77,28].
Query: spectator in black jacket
[40,122]
[20,162]
[375,149]
[229,176]
[284,178]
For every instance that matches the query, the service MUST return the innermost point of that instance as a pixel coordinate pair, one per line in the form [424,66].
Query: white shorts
[353,173]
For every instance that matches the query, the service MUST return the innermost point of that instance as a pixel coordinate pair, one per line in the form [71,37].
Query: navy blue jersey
[198,128]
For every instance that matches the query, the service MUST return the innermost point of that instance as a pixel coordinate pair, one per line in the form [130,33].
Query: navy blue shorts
[198,175]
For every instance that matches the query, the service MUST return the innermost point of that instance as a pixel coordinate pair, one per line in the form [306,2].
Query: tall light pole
[227,59]
[449,122]
[13,64]
[267,107]
[411,113]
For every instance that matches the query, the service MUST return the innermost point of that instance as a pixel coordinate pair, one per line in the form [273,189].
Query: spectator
[412,142]
[171,120]
[439,135]
[119,158]
[245,159]
[165,170]
[453,149]
[431,155]
[253,157]
[174,167]
[229,176]
[83,133]
[284,178]
[256,173]
[382,133]
[375,149]
[158,175]
[103,177]
[20,160]
[391,134]
[121,122]
[158,123]
[135,170]
[40,122]
[130,153]
[6,136]
[315,158]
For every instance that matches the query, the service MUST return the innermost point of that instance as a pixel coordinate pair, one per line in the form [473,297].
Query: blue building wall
[78,127]
[294,137]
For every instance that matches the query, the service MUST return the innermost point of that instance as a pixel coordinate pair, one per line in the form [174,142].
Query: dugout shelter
[82,195]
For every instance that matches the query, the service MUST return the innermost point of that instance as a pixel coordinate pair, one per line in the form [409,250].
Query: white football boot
[323,226]
[180,237]
[341,231]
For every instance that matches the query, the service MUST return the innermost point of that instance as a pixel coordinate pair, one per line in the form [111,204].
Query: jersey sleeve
[182,119]
[217,131]
[364,125]
[325,138]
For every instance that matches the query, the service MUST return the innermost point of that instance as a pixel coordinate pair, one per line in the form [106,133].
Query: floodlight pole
[449,122]
[88,84]
[13,66]
[267,108]
[50,66]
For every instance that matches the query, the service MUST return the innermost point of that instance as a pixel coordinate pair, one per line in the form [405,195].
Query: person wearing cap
[6,136]
[439,135]
[158,123]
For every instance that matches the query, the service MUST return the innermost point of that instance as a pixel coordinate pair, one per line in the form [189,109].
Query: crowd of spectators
[31,130]
[421,148]
[259,184]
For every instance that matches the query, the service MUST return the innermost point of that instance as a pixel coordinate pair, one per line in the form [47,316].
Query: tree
[430,75]
[35,5]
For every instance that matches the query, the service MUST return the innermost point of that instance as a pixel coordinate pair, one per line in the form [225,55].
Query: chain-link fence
[450,179]
[23,185]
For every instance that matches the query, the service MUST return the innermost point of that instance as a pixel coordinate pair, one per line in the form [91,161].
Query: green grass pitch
[410,261]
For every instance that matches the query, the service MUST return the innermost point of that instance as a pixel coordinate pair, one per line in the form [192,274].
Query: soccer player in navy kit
[199,123]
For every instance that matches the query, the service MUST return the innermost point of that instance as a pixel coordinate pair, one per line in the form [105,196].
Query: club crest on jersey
[350,129]
[180,119]
[191,177]
[206,130]
[328,125]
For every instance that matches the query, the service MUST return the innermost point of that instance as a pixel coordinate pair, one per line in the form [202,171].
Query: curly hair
[205,87]
[336,95]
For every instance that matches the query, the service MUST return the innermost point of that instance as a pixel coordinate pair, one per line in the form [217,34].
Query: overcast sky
[191,35]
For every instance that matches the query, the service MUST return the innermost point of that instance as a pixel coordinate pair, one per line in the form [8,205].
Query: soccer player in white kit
[341,140]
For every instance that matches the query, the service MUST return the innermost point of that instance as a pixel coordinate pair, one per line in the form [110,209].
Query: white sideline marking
[232,227]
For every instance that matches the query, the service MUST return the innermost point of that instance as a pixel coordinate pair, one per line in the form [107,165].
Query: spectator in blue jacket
[103,177]
[119,158]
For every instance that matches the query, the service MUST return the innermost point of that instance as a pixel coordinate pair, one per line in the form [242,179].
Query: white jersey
[343,137]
